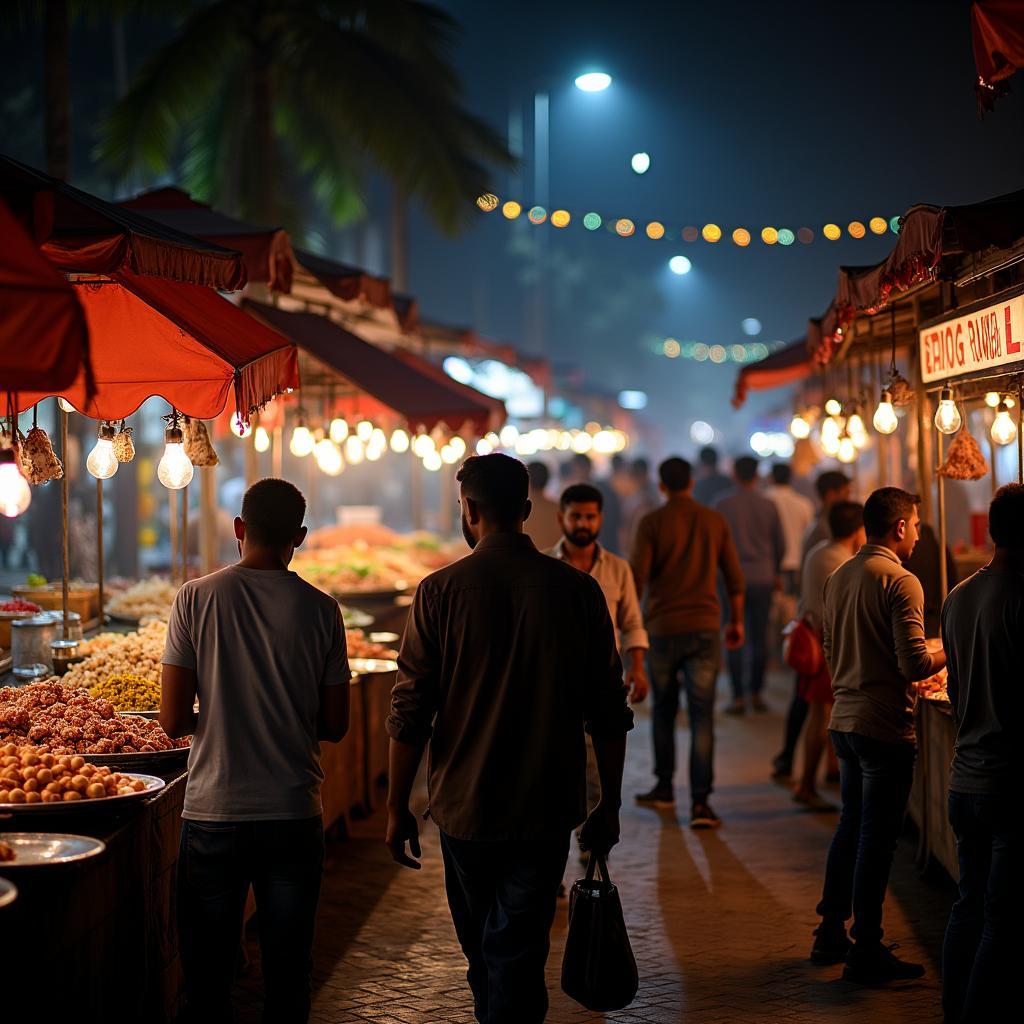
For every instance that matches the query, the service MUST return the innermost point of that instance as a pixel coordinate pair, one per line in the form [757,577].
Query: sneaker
[830,945]
[661,797]
[737,707]
[813,802]
[758,704]
[878,965]
[701,816]
[782,767]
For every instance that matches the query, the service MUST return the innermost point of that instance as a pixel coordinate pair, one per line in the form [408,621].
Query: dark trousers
[217,862]
[796,717]
[757,609]
[976,972]
[875,780]
[691,660]
[502,897]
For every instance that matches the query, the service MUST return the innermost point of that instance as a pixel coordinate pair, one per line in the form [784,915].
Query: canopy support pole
[207,520]
[943,574]
[277,459]
[65,484]
[99,549]
[1020,433]
[172,520]
[252,466]
[184,534]
[416,490]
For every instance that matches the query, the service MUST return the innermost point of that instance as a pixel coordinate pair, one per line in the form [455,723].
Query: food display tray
[8,892]
[41,849]
[158,760]
[371,666]
[153,786]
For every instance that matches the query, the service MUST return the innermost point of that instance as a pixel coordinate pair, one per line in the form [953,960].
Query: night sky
[754,114]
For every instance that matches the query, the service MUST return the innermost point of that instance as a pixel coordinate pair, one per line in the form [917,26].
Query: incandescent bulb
[992,399]
[484,447]
[374,450]
[302,442]
[830,430]
[399,441]
[102,462]
[15,495]
[833,407]
[354,451]
[799,428]
[240,426]
[432,461]
[328,457]
[175,469]
[422,444]
[856,430]
[884,420]
[509,435]
[65,405]
[261,442]
[458,446]
[449,456]
[364,430]
[338,430]
[1004,430]
[847,451]
[947,416]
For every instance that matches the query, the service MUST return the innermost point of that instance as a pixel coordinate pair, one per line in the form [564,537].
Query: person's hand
[600,832]
[734,636]
[636,682]
[403,828]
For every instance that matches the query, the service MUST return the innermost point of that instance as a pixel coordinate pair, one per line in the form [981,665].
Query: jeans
[217,862]
[502,897]
[976,972]
[875,780]
[757,608]
[796,717]
[695,657]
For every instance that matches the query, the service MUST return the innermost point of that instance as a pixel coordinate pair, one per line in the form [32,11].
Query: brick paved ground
[720,921]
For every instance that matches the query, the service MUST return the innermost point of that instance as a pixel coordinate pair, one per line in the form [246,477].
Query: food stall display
[128,692]
[30,777]
[148,599]
[361,646]
[118,654]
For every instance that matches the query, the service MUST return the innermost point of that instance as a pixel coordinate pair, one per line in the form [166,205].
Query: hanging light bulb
[847,449]
[484,447]
[432,461]
[449,455]
[458,446]
[833,407]
[375,447]
[799,427]
[884,420]
[856,430]
[378,439]
[175,469]
[303,442]
[338,430]
[992,399]
[15,494]
[328,457]
[1004,430]
[354,451]
[364,430]
[830,429]
[102,462]
[422,444]
[65,405]
[508,436]
[240,426]
[261,442]
[947,416]
[399,441]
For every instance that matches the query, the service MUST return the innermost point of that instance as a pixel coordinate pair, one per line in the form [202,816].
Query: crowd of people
[518,668]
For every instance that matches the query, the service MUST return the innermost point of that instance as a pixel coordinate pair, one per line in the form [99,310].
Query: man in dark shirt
[983,634]
[508,657]
[712,484]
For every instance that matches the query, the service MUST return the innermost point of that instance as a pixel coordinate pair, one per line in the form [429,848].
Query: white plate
[8,892]
[371,666]
[153,785]
[35,849]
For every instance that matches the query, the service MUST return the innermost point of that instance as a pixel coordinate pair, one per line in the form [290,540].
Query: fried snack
[128,692]
[108,654]
[124,446]
[964,460]
[148,599]
[38,462]
[28,776]
[6,852]
[62,719]
[198,446]
[360,647]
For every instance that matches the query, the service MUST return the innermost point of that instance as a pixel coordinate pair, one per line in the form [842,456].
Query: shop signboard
[985,337]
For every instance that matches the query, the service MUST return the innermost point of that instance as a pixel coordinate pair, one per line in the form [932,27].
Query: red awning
[267,251]
[348,283]
[396,383]
[183,343]
[786,366]
[80,233]
[43,338]
[997,32]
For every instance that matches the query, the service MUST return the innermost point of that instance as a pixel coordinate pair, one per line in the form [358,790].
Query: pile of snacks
[30,777]
[16,606]
[964,460]
[128,692]
[147,599]
[62,719]
[361,647]
[934,687]
[108,654]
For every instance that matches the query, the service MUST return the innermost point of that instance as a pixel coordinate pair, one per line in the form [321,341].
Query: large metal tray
[8,892]
[41,849]
[372,666]
[158,760]
[153,786]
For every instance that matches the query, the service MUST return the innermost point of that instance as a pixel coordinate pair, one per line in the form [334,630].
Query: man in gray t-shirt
[264,653]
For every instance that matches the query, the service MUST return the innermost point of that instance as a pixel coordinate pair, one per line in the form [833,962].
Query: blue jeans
[757,608]
[217,862]
[691,659]
[875,780]
[976,973]
[502,897]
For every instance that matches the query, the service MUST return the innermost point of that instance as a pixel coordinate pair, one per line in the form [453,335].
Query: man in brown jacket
[677,554]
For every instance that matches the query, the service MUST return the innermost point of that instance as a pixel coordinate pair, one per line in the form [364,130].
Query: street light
[679,265]
[593,81]
[640,163]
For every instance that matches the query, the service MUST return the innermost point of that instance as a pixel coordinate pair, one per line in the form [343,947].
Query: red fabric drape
[352,283]
[786,366]
[997,33]
[43,338]
[183,343]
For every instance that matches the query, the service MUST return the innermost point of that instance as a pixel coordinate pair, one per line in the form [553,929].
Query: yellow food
[137,654]
[129,692]
[70,779]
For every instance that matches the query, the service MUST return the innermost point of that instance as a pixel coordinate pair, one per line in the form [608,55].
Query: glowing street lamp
[593,81]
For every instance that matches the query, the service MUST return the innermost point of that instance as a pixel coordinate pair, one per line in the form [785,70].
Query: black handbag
[598,966]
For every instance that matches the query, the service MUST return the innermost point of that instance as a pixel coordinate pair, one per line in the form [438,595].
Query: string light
[769,236]
[690,234]
[338,430]
[671,348]
[741,237]
[832,232]
[655,230]
[399,441]
[511,209]
[592,221]
[354,450]
[560,218]
[894,225]
[884,420]
[878,225]
[806,236]
[786,237]
[679,265]
[261,442]
[711,233]
[1004,430]
[102,462]
[432,461]
[488,202]
[240,426]
[992,399]
[717,354]
[364,430]
[856,229]
[799,428]
[175,469]
[484,447]
[15,493]
[537,215]
[624,227]
[847,451]
[328,457]
[947,415]
[833,407]
[641,163]
[856,430]
[421,444]
[302,441]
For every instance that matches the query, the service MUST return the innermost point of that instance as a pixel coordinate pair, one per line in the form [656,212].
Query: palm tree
[279,100]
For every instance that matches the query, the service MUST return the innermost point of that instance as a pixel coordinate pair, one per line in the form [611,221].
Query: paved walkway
[720,921]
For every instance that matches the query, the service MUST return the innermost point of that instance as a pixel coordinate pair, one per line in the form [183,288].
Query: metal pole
[207,520]
[172,520]
[184,534]
[277,459]
[99,546]
[1020,433]
[943,576]
[65,485]
[416,491]
[252,465]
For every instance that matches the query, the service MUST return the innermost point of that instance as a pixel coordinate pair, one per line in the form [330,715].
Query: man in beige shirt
[542,526]
[874,643]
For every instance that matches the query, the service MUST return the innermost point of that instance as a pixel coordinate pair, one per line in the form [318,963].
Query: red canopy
[786,366]
[398,384]
[183,343]
[267,251]
[43,340]
[80,233]
[350,283]
[997,31]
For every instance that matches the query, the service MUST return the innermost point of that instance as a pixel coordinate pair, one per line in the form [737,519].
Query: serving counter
[929,796]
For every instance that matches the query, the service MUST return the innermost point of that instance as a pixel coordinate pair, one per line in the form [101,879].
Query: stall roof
[267,250]
[346,282]
[397,383]
[786,366]
[79,232]
[37,303]
[997,31]
[180,342]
